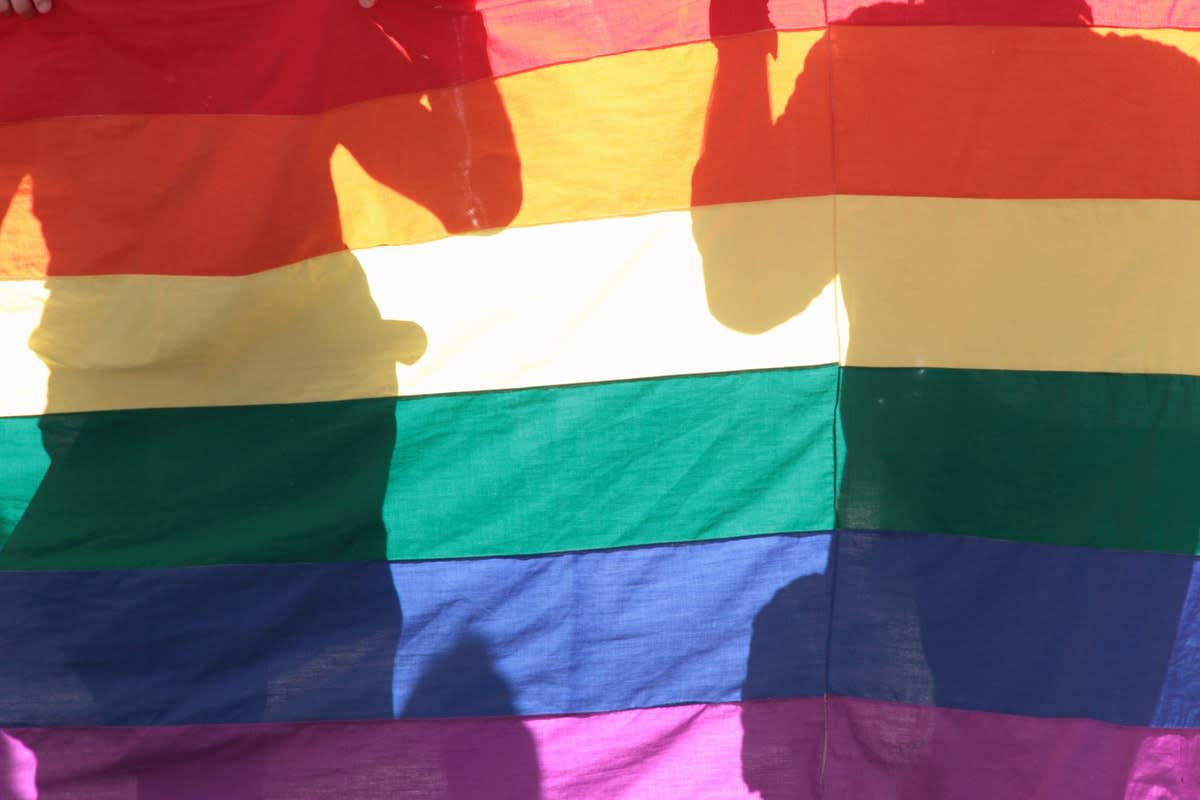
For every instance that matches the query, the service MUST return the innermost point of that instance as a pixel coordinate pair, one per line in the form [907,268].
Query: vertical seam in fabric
[576,604]
[837,401]
[834,545]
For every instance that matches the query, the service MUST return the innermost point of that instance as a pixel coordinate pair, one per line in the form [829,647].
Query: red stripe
[303,56]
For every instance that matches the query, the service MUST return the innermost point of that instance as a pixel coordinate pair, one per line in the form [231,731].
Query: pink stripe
[536,33]
[1104,13]
[771,749]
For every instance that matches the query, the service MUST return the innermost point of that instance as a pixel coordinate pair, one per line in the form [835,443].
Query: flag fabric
[589,399]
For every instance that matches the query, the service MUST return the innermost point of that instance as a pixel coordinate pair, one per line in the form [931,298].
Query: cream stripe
[1081,285]
[565,303]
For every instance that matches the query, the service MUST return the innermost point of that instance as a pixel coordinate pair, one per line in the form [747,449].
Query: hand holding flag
[24,8]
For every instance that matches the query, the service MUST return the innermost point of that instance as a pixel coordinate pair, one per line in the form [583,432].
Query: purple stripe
[682,751]
[772,748]
[889,750]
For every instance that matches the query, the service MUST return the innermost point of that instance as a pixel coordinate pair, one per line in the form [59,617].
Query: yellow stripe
[612,136]
[1083,285]
[1078,285]
[566,303]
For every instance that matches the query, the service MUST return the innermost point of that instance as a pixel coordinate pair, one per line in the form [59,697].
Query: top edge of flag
[1049,13]
[272,57]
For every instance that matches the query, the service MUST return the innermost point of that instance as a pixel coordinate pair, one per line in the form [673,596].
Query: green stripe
[1071,458]
[1101,460]
[520,472]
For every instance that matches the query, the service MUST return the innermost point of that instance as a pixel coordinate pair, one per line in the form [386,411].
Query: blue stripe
[558,634]
[929,619]
[1037,630]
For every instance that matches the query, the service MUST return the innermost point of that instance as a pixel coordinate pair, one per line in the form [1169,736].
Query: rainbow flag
[565,399]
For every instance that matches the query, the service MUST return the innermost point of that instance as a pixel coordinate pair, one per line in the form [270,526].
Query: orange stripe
[232,195]
[1017,112]
[970,112]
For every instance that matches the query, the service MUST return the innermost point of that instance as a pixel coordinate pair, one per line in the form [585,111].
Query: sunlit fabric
[596,400]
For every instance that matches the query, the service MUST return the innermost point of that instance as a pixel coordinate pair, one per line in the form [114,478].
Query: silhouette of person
[467,173]
[149,485]
[778,761]
[744,146]
[887,481]
[501,765]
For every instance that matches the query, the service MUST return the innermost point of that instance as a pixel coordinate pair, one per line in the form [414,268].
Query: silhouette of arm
[456,157]
[762,266]
[739,130]
[453,151]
